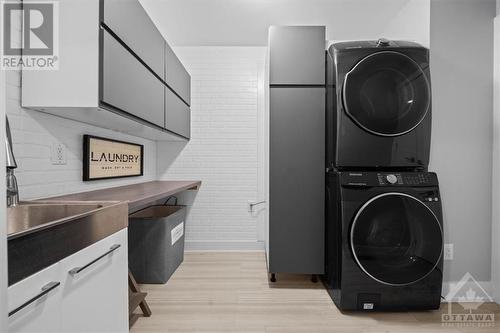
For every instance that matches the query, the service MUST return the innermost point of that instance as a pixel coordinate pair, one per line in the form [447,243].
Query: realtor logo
[30,35]
[470,296]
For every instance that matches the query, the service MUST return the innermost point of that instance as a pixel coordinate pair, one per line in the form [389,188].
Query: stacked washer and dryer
[384,232]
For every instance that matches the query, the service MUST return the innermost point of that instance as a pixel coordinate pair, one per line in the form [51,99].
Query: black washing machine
[378,105]
[384,241]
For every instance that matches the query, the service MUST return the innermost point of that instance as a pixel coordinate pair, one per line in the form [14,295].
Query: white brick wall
[225,147]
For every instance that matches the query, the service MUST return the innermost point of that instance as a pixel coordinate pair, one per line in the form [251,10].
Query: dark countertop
[137,196]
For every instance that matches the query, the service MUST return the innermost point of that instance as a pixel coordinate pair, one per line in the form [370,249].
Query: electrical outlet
[58,154]
[448,251]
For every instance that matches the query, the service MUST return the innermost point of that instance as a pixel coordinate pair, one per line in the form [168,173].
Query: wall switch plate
[58,154]
[448,252]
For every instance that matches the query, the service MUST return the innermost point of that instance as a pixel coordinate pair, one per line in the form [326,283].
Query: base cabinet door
[95,292]
[35,302]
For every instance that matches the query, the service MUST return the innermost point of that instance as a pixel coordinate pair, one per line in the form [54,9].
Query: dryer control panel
[402,179]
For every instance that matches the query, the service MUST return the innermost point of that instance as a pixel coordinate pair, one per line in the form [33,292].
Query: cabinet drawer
[178,115]
[129,21]
[177,76]
[36,302]
[95,293]
[128,85]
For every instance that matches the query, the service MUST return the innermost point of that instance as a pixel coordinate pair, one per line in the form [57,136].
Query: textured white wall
[462,136]
[245,22]
[224,151]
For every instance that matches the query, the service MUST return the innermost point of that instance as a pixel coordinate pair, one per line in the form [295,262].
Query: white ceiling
[245,22]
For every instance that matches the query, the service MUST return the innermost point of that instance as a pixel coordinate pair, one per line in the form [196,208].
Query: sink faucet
[11,181]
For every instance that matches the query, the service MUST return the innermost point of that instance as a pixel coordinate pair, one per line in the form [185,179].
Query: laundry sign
[107,158]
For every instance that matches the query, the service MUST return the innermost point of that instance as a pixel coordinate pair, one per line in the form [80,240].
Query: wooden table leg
[136,298]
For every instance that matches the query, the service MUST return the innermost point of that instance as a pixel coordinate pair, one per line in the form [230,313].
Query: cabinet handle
[45,290]
[78,270]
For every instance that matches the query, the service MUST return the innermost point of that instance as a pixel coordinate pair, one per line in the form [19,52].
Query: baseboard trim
[448,286]
[224,246]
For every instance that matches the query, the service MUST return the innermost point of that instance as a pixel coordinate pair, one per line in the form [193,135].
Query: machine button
[392,179]
[383,42]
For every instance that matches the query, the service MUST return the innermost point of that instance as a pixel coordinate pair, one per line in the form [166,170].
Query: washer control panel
[401,179]
[390,179]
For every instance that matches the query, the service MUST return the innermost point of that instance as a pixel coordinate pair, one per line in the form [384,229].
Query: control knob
[392,179]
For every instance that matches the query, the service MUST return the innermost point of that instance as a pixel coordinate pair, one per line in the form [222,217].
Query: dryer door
[387,93]
[396,239]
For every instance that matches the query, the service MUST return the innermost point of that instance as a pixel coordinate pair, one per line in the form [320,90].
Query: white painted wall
[226,147]
[495,231]
[245,22]
[462,136]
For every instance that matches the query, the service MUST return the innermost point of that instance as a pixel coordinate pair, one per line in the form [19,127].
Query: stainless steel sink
[41,233]
[31,216]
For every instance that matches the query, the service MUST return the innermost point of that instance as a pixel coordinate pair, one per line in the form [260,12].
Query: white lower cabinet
[92,294]
[95,297]
[33,308]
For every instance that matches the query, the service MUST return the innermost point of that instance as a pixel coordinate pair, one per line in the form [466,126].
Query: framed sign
[107,158]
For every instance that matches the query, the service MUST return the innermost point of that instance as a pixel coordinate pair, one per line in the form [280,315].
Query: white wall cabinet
[89,292]
[112,71]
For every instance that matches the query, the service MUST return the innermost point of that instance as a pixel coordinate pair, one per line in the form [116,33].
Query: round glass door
[386,93]
[396,239]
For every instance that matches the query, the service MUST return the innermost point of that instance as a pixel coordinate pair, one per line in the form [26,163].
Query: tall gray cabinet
[297,150]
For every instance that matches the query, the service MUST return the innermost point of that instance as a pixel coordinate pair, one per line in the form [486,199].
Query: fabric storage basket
[156,242]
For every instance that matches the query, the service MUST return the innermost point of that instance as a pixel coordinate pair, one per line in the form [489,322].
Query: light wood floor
[230,292]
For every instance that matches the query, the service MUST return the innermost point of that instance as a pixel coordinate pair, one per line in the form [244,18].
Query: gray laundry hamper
[156,242]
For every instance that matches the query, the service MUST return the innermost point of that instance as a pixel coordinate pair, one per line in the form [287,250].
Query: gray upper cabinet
[178,115]
[176,75]
[129,86]
[297,55]
[128,20]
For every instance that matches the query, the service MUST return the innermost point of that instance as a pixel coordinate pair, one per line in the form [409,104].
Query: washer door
[386,93]
[396,239]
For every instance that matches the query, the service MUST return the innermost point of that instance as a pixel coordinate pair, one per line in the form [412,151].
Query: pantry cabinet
[114,68]
[85,292]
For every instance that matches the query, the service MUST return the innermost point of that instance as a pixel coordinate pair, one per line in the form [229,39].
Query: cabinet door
[129,21]
[130,86]
[36,302]
[177,76]
[95,293]
[297,180]
[297,55]
[178,114]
